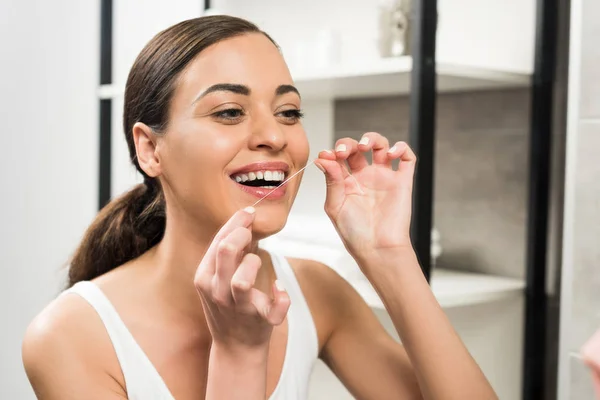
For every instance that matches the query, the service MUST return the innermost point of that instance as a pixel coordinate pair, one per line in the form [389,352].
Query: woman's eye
[229,114]
[292,115]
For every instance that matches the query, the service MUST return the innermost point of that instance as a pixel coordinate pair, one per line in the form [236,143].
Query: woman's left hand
[371,209]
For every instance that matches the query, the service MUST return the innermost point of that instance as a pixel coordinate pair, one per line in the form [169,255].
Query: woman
[171,297]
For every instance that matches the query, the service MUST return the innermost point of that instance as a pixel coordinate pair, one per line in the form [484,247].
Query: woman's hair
[133,223]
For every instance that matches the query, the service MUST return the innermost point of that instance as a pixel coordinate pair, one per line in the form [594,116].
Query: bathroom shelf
[392,76]
[454,288]
[451,288]
[381,77]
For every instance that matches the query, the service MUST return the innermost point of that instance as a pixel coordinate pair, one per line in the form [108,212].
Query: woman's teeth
[276,177]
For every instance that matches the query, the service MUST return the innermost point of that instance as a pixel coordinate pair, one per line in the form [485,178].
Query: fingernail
[250,210]
[393,149]
[364,141]
[341,147]
[279,286]
[328,151]
[320,167]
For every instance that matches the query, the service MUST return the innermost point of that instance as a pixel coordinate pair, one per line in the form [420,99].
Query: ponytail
[123,230]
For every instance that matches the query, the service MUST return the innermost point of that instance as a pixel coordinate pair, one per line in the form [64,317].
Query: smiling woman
[170,285]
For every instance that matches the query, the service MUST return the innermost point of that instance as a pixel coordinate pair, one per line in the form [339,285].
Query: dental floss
[357,184]
[283,183]
[306,166]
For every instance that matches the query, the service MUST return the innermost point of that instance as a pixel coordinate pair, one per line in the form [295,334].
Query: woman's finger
[408,159]
[272,310]
[345,147]
[379,145]
[327,155]
[357,159]
[280,305]
[244,278]
[229,254]
[242,218]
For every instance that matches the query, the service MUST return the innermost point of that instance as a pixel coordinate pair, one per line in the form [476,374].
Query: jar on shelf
[394,28]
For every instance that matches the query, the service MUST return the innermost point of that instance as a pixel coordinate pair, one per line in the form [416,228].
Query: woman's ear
[145,147]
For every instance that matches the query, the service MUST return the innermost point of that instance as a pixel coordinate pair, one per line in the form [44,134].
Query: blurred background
[352,62]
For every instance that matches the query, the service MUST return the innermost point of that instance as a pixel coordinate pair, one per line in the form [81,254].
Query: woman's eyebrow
[283,89]
[224,87]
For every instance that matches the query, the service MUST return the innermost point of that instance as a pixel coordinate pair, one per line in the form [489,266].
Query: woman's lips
[261,192]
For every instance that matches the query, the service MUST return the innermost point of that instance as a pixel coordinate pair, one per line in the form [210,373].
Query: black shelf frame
[422,138]
[423,95]
[540,155]
[105,131]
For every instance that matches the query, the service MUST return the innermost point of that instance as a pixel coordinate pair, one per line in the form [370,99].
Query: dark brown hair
[133,223]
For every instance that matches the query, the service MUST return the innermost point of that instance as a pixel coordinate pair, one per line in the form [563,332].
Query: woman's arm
[237,375]
[371,211]
[239,316]
[355,346]
[443,366]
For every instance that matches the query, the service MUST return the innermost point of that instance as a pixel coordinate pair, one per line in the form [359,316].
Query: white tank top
[143,381]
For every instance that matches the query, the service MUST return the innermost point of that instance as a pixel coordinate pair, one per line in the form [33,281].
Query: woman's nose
[268,134]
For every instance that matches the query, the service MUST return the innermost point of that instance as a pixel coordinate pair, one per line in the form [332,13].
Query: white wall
[135,22]
[492,33]
[580,280]
[48,166]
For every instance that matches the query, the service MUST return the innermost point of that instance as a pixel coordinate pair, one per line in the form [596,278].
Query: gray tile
[476,237]
[580,383]
[590,60]
[385,115]
[480,173]
[480,206]
[481,165]
[586,236]
[505,109]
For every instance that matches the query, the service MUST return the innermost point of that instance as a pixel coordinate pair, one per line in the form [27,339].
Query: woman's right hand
[239,316]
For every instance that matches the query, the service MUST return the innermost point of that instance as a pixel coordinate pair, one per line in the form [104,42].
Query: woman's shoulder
[66,338]
[326,292]
[315,275]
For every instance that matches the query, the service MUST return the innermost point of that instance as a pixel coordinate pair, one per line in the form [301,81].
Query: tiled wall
[480,171]
[580,312]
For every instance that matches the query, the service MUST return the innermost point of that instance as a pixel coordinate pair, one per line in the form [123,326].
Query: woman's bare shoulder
[316,277]
[328,295]
[67,341]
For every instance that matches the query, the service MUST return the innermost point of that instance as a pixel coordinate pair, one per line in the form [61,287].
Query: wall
[470,32]
[580,294]
[481,171]
[49,159]
[135,22]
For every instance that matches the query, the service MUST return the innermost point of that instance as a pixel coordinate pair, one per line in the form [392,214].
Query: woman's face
[234,134]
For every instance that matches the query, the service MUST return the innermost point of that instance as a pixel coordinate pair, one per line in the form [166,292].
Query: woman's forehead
[251,60]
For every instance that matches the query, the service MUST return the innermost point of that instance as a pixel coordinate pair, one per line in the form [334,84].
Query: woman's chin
[266,225]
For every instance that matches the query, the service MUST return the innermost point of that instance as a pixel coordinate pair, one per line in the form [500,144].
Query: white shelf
[392,76]
[454,289]
[382,77]
[322,243]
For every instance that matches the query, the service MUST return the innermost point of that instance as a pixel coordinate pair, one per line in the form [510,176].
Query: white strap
[298,306]
[137,368]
